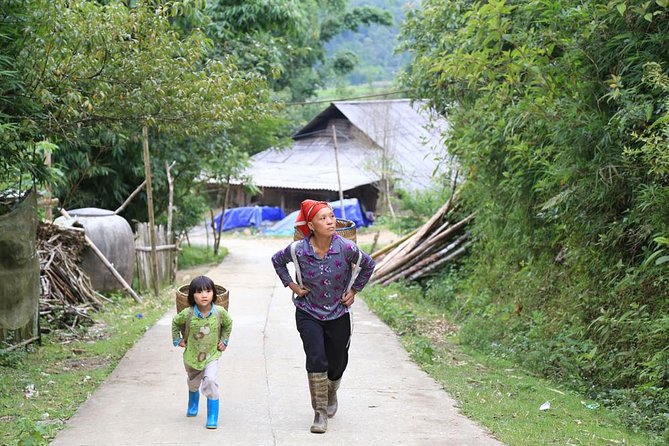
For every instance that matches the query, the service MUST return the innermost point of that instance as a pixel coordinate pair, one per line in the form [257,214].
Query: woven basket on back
[223,297]
[345,228]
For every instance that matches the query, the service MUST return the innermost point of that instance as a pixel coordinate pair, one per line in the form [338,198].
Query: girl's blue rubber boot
[193,402]
[212,414]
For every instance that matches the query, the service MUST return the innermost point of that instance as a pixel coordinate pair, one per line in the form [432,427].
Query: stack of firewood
[419,253]
[67,295]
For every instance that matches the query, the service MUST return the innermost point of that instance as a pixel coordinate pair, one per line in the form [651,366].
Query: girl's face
[203,298]
[324,222]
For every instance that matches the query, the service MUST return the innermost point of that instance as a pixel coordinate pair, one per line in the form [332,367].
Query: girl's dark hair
[200,283]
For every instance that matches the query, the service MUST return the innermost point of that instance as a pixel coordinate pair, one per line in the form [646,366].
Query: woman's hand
[300,291]
[221,346]
[182,343]
[348,298]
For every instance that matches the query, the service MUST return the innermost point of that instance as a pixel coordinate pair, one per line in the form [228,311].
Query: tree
[285,39]
[113,66]
[558,114]
[20,158]
[96,73]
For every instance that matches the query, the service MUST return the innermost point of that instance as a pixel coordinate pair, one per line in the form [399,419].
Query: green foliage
[190,256]
[190,210]
[389,307]
[94,73]
[58,389]
[558,116]
[352,19]
[113,65]
[414,209]
[374,45]
[19,160]
[285,40]
[442,290]
[489,388]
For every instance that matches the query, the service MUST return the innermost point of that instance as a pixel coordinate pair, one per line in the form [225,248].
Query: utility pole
[341,192]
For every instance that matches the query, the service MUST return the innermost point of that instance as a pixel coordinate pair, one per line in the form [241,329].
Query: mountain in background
[374,45]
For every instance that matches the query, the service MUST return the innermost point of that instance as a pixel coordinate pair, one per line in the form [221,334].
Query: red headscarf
[308,209]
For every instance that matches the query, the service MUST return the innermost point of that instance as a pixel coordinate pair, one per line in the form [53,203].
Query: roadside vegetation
[193,255]
[42,386]
[503,384]
[496,392]
[559,120]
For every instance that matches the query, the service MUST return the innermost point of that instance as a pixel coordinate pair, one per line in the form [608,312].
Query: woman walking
[322,300]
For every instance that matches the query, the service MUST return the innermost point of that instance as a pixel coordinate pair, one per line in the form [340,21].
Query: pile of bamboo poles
[424,250]
[67,295]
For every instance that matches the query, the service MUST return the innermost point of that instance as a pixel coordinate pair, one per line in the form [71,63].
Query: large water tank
[113,237]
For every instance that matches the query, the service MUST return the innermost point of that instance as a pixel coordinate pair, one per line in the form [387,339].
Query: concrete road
[384,399]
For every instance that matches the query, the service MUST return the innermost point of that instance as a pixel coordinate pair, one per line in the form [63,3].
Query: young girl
[203,330]
[322,302]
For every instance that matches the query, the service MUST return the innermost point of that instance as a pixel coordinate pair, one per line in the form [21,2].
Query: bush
[190,256]
[559,118]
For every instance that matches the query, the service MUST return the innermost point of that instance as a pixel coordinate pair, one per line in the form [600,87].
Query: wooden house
[386,144]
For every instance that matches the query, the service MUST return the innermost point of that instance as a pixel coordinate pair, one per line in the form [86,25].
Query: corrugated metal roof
[411,136]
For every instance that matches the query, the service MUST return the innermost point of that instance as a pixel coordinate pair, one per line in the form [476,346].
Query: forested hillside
[374,46]
[560,118]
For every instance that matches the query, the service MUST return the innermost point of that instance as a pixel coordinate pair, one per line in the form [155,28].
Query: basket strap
[187,324]
[298,273]
[356,271]
[354,275]
[218,321]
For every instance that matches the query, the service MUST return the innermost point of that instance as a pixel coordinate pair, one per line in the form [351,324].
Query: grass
[496,393]
[43,386]
[190,256]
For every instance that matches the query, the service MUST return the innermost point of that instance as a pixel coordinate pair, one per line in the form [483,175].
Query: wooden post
[149,198]
[215,233]
[206,231]
[170,207]
[48,215]
[341,192]
[170,202]
[376,239]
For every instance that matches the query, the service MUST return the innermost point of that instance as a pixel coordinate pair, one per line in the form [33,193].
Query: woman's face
[324,222]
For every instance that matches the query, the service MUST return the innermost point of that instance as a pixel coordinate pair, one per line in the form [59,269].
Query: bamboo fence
[165,256]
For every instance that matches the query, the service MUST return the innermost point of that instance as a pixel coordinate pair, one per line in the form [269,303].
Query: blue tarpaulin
[243,217]
[351,208]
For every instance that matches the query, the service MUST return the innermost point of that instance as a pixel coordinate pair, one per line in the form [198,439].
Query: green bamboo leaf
[661,260]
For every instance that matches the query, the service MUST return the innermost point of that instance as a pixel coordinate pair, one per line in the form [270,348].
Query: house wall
[237,197]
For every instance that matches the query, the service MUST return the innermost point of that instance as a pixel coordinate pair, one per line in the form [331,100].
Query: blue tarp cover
[243,217]
[351,206]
